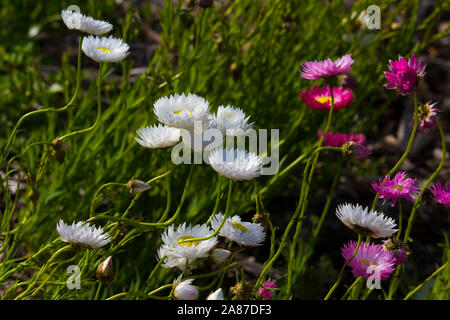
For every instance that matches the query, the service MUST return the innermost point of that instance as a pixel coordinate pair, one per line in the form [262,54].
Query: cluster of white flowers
[99,49]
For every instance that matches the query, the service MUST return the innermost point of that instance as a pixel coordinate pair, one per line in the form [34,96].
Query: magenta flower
[426,114]
[266,290]
[398,249]
[319,98]
[324,69]
[399,187]
[441,194]
[339,139]
[404,74]
[370,259]
[354,151]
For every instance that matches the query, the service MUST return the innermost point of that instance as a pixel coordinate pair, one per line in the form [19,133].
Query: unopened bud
[136,186]
[216,295]
[58,155]
[242,290]
[105,272]
[220,255]
[185,290]
[60,145]
[354,151]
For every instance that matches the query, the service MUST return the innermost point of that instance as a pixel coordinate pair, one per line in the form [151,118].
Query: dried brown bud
[105,272]
[58,155]
[242,290]
[205,3]
[60,145]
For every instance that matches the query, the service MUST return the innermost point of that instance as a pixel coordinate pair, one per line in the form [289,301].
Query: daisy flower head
[82,235]
[396,188]
[266,290]
[441,194]
[319,98]
[158,137]
[369,259]
[426,114]
[245,233]
[78,21]
[324,69]
[179,253]
[232,121]
[339,139]
[184,290]
[398,249]
[181,111]
[365,222]
[404,74]
[236,164]
[105,49]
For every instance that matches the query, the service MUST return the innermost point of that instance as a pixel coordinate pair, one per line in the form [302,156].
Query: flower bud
[136,186]
[185,290]
[58,155]
[105,272]
[398,248]
[60,145]
[354,151]
[219,255]
[216,295]
[242,290]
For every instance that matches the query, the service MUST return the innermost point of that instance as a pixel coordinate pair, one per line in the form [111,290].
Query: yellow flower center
[182,110]
[239,226]
[324,99]
[189,243]
[104,50]
[398,187]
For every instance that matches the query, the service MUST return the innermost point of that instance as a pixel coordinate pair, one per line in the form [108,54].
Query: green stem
[426,280]
[99,106]
[12,137]
[341,273]
[408,149]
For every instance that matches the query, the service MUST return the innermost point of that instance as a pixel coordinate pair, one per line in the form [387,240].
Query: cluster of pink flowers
[403,76]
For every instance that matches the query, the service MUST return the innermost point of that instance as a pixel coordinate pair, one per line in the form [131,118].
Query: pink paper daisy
[399,187]
[441,194]
[370,259]
[266,290]
[319,98]
[324,69]
[404,74]
[339,139]
[426,114]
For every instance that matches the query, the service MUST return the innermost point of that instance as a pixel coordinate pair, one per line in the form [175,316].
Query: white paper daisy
[156,137]
[216,295]
[181,111]
[232,121]
[236,164]
[105,49]
[245,233]
[78,21]
[177,252]
[365,222]
[83,235]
